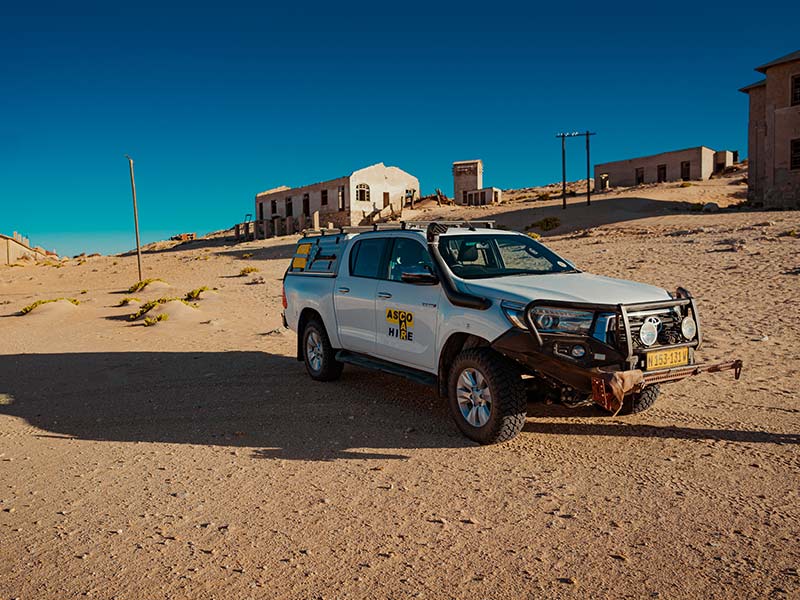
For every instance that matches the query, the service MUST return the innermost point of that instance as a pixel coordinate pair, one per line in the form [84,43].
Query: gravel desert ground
[196,459]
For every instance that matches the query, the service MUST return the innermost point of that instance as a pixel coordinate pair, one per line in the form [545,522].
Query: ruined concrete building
[773,145]
[364,196]
[468,184]
[693,163]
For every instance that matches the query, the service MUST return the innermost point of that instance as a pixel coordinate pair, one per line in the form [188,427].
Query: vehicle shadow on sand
[254,400]
[617,427]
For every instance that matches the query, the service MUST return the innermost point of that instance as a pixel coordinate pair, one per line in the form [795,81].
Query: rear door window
[368,258]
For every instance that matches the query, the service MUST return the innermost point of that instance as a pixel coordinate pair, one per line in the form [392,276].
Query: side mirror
[420,278]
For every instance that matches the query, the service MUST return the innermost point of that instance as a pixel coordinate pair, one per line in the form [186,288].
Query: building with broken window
[773,134]
[680,165]
[367,195]
[468,184]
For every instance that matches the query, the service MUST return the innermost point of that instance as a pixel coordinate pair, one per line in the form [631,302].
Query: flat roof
[779,61]
[465,162]
[654,155]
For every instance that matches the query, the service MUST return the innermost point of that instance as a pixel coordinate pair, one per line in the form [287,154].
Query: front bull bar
[609,389]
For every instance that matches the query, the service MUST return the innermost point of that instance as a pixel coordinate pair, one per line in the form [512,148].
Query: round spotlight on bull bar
[578,351]
[648,334]
[688,328]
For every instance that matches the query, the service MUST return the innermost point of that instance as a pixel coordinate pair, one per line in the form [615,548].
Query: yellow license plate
[664,359]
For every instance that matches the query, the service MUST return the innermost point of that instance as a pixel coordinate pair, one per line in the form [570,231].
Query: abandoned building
[16,247]
[773,134]
[468,184]
[693,163]
[365,196]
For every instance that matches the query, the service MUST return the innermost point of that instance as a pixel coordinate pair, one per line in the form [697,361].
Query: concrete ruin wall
[623,172]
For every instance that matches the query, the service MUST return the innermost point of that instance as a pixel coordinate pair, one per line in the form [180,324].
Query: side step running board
[377,364]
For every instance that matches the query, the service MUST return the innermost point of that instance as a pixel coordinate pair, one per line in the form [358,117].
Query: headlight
[515,313]
[688,328]
[648,333]
[561,320]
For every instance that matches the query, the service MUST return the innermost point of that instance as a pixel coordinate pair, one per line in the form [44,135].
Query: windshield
[484,256]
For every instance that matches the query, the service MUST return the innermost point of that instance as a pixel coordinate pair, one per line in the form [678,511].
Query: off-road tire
[640,401]
[331,369]
[509,400]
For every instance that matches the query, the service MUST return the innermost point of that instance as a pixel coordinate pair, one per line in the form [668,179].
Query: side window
[408,256]
[366,258]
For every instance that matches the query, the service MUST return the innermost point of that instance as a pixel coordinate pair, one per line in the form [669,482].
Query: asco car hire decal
[400,324]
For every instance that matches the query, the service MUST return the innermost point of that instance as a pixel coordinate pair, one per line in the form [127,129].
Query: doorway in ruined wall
[306,205]
[483,198]
[686,170]
[385,199]
[662,173]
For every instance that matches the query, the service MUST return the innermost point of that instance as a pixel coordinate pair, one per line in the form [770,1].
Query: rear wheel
[318,354]
[640,401]
[486,396]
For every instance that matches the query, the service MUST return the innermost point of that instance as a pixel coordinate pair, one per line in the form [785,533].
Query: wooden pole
[135,219]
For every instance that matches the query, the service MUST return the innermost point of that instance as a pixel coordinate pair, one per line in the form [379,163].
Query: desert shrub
[148,306]
[150,321]
[247,255]
[534,235]
[685,184]
[543,196]
[247,270]
[195,294]
[84,291]
[38,303]
[126,301]
[140,285]
[545,224]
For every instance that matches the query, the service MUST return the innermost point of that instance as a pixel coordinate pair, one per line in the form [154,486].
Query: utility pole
[564,137]
[135,218]
[588,170]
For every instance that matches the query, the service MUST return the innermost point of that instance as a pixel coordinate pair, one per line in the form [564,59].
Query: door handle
[344,290]
[384,295]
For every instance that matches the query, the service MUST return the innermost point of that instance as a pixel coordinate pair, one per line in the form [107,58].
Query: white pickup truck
[488,317]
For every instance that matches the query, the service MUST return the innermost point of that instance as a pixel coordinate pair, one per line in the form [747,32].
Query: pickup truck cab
[488,317]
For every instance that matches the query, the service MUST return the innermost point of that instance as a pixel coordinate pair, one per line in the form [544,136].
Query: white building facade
[365,196]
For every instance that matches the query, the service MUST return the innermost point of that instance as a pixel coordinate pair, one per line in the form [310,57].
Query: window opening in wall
[260,211]
[362,192]
[795,90]
[341,197]
[306,205]
[289,212]
[324,197]
[794,162]
[274,207]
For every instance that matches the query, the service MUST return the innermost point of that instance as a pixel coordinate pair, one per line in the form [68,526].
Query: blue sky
[217,101]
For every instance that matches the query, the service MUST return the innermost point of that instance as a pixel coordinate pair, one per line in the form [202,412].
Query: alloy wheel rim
[474,397]
[314,350]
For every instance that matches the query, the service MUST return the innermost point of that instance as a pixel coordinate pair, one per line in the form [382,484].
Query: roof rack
[441,227]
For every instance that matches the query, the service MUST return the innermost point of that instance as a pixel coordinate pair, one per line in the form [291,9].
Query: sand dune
[195,459]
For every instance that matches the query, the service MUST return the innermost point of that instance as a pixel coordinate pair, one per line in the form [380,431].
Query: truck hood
[568,287]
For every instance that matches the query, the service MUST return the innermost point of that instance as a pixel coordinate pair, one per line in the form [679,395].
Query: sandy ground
[195,458]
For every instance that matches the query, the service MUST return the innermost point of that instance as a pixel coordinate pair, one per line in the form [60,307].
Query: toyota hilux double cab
[489,317]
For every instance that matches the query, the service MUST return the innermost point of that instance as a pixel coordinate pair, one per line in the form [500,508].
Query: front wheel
[486,396]
[318,354]
[640,401]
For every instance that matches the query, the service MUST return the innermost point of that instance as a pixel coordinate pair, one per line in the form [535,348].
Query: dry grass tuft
[150,321]
[247,270]
[545,224]
[140,285]
[195,294]
[38,303]
[148,306]
[126,301]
